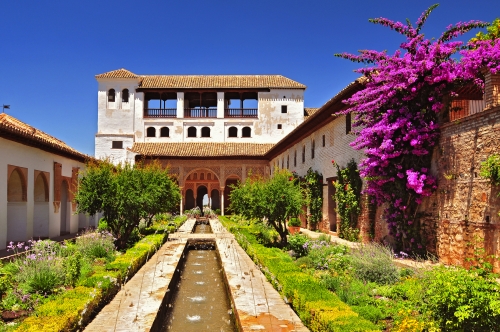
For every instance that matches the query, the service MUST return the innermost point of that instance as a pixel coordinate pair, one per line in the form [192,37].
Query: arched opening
[246,132]
[125,96]
[164,132]
[64,209]
[151,132]
[215,197]
[17,215]
[232,132]
[111,95]
[189,200]
[200,193]
[41,208]
[332,204]
[192,132]
[205,132]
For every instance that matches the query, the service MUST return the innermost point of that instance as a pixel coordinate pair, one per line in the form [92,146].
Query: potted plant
[294,225]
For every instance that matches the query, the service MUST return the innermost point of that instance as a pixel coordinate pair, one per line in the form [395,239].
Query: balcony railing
[241,113]
[200,112]
[160,112]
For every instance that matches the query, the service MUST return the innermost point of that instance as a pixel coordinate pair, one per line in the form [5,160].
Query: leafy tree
[493,32]
[397,114]
[275,200]
[125,194]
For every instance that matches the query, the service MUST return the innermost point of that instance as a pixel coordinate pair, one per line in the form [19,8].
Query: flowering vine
[397,114]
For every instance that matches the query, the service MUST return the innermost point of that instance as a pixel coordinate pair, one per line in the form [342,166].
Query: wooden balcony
[200,112]
[241,113]
[160,112]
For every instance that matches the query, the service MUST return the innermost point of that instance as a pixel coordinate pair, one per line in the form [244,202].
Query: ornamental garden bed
[335,288]
[60,287]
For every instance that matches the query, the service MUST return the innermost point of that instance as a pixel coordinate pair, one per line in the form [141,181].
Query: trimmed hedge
[71,310]
[319,309]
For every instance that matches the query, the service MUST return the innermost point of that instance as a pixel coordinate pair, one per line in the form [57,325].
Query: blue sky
[51,50]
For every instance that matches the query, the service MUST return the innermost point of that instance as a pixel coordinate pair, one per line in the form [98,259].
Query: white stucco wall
[31,219]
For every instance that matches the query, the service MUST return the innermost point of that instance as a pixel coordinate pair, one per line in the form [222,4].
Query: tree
[125,194]
[398,111]
[276,200]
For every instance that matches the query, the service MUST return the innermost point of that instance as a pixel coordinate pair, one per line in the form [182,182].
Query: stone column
[181,207]
[220,105]
[180,104]
[222,201]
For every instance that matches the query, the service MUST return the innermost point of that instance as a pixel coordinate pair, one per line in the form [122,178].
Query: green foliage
[347,195]
[72,266]
[461,300]
[373,263]
[265,234]
[276,199]
[326,255]
[294,222]
[96,245]
[296,243]
[490,169]
[125,194]
[5,279]
[102,226]
[319,309]
[314,189]
[493,32]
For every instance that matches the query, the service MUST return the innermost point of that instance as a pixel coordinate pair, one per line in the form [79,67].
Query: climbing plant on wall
[314,186]
[397,114]
[348,197]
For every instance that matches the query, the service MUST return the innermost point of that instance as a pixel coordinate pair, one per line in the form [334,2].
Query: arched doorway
[189,200]
[200,193]
[17,214]
[64,210]
[215,197]
[41,208]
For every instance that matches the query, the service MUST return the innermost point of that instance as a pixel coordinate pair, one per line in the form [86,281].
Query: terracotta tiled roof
[201,149]
[119,73]
[219,81]
[308,111]
[14,128]
[206,81]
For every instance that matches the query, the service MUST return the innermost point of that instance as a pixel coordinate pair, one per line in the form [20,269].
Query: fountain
[199,300]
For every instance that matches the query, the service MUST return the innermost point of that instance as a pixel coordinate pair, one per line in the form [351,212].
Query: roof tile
[201,149]
[14,126]
[119,73]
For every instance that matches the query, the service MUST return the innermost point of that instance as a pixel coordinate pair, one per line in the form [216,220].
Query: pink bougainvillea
[396,115]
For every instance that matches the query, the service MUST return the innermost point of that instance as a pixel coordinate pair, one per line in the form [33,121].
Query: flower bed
[89,281]
[334,288]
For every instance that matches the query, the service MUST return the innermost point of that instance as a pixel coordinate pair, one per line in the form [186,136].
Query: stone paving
[258,306]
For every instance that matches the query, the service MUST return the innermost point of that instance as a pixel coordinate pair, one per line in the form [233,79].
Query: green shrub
[463,300]
[294,222]
[373,263]
[72,266]
[304,262]
[326,255]
[370,312]
[96,245]
[296,243]
[265,234]
[102,226]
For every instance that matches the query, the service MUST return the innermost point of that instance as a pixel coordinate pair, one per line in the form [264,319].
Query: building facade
[193,109]
[39,176]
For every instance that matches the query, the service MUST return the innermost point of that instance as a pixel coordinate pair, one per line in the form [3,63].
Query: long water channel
[200,301]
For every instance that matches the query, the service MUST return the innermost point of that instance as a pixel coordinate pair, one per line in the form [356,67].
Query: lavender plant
[396,115]
[96,244]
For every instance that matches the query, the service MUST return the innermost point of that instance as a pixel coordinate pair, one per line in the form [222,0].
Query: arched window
[41,191]
[111,95]
[192,132]
[164,132]
[246,132]
[232,132]
[151,132]
[16,187]
[205,132]
[125,96]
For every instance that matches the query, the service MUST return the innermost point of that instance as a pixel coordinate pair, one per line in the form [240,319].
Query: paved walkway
[257,304]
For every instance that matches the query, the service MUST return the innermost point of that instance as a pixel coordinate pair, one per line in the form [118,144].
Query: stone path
[258,306]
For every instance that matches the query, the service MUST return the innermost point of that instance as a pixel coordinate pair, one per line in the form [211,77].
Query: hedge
[318,308]
[71,310]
